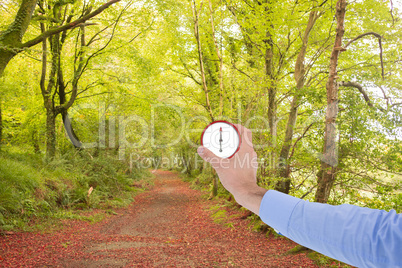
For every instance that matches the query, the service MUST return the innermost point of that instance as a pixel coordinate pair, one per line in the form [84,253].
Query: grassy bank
[32,188]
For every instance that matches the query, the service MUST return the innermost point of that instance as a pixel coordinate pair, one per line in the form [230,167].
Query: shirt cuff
[276,208]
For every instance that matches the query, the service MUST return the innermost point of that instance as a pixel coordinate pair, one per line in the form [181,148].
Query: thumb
[208,156]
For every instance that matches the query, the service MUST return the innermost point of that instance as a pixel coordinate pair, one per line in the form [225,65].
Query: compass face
[222,138]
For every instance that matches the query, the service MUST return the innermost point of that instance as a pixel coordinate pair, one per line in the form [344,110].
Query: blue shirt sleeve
[359,236]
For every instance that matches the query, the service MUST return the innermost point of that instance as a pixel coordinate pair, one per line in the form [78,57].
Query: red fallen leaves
[169,226]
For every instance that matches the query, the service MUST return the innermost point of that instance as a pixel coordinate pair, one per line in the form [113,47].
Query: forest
[94,95]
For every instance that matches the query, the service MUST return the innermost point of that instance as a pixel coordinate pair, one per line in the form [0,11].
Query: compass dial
[222,138]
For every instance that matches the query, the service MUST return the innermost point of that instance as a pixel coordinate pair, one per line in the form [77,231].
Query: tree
[300,72]
[1,126]
[329,162]
[11,40]
[196,18]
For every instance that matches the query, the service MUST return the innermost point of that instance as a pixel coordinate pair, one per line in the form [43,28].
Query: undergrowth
[32,188]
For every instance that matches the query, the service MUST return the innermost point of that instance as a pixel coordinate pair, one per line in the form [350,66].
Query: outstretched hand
[239,173]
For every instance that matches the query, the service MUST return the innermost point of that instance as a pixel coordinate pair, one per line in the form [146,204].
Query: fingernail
[200,150]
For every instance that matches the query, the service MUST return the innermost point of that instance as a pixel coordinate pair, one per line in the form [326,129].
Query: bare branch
[362,91]
[189,75]
[298,139]
[361,36]
[379,37]
[391,12]
[94,37]
[396,104]
[385,95]
[96,94]
[242,72]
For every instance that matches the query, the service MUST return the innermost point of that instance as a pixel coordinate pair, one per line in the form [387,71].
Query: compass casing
[222,138]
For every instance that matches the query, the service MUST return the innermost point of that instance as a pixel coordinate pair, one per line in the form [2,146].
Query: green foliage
[220,216]
[324,261]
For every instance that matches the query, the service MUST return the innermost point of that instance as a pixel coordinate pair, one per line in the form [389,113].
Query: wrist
[250,198]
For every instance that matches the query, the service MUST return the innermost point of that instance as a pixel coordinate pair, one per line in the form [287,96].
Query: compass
[222,138]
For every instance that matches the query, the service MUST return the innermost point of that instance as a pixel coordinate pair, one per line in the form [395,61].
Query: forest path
[167,226]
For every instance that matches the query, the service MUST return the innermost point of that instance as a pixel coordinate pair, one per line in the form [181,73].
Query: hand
[239,174]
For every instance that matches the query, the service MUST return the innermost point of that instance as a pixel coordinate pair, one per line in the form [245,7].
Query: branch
[308,192]
[96,94]
[376,163]
[77,72]
[242,72]
[189,75]
[379,37]
[99,51]
[391,12]
[70,25]
[298,139]
[396,104]
[93,39]
[361,36]
[64,34]
[89,86]
[362,91]
[388,99]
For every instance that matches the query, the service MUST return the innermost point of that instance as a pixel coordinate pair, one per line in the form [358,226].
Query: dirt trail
[168,226]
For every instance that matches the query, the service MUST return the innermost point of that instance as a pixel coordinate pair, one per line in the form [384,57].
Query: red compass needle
[220,140]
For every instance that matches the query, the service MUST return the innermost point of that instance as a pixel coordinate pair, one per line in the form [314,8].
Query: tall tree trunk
[204,83]
[1,125]
[270,77]
[220,58]
[284,184]
[47,91]
[269,73]
[51,111]
[200,57]
[329,161]
[50,133]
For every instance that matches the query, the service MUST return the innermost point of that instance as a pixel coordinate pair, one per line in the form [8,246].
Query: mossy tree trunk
[1,126]
[50,133]
[10,39]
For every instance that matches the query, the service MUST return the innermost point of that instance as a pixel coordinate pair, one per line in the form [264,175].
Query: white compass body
[222,138]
